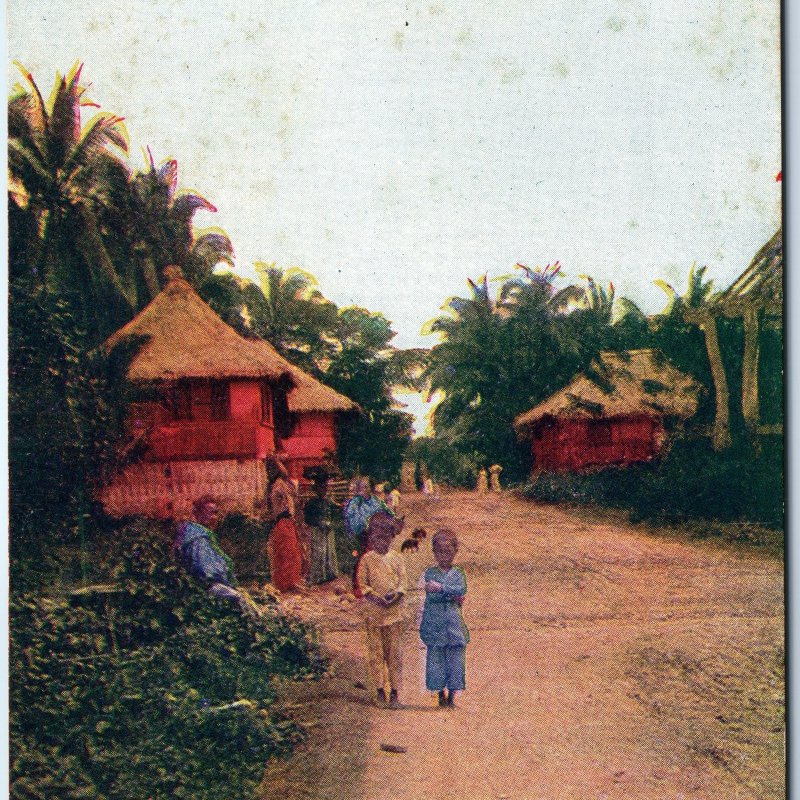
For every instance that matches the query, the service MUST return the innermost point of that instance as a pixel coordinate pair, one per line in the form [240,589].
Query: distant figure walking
[283,545]
[391,496]
[483,484]
[494,480]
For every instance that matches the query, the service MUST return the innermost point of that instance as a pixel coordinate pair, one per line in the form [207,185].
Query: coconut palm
[681,315]
[291,313]
[63,176]
[160,232]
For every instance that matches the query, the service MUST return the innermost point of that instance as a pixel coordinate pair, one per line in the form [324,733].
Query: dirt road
[605,662]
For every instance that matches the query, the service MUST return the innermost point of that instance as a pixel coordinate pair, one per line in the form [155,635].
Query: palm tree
[694,308]
[62,177]
[159,230]
[294,316]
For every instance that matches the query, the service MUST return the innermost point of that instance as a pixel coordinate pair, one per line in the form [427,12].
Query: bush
[691,482]
[244,539]
[147,687]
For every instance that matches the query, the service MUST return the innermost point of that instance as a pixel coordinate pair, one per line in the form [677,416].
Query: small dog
[413,543]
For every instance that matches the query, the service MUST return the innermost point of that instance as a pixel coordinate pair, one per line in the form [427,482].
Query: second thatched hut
[617,412]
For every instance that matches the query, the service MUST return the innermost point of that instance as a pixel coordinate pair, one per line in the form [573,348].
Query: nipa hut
[217,405]
[617,412]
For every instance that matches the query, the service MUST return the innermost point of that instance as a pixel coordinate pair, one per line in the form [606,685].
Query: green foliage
[65,419]
[244,539]
[692,482]
[443,462]
[498,358]
[373,442]
[121,692]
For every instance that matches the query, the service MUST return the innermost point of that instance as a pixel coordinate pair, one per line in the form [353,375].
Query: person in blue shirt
[197,550]
[358,510]
[442,627]
[357,513]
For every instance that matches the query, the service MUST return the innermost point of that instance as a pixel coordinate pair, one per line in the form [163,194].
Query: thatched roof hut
[185,339]
[760,286]
[614,413]
[224,403]
[631,383]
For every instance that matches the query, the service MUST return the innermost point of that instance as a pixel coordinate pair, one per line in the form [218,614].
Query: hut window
[220,400]
[601,433]
[179,400]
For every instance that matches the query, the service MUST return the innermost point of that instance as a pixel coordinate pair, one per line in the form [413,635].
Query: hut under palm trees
[618,412]
[216,405]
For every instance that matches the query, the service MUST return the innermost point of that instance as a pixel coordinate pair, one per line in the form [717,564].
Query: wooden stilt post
[750,409]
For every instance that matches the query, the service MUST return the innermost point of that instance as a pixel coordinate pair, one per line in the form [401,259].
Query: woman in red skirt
[283,546]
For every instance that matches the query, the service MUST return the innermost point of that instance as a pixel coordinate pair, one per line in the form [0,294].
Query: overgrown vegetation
[147,687]
[692,482]
[121,693]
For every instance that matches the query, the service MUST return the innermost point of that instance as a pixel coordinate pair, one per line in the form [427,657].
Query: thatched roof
[308,393]
[760,286]
[631,383]
[186,339]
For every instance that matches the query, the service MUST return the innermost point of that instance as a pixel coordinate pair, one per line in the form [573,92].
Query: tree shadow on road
[331,763]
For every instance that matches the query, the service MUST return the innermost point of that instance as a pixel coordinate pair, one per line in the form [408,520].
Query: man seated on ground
[198,552]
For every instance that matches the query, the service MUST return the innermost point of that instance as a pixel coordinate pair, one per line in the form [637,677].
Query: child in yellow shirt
[381,581]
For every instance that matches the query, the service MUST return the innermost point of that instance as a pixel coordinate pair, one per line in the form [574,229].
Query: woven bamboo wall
[167,491]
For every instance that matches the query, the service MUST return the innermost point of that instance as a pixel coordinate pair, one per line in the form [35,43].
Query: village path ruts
[606,661]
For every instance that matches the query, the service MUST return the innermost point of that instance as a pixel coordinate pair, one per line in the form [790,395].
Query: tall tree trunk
[750,408]
[722,427]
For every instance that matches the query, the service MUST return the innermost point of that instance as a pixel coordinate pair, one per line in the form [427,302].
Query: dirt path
[604,663]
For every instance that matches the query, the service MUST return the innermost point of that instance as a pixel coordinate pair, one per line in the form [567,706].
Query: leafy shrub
[244,539]
[148,687]
[691,482]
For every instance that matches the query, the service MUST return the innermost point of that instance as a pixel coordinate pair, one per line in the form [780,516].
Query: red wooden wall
[578,443]
[313,438]
[189,428]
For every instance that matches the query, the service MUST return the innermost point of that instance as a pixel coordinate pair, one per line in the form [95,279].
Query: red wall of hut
[313,438]
[579,443]
[199,420]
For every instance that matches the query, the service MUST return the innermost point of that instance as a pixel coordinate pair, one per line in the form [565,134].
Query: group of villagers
[379,575]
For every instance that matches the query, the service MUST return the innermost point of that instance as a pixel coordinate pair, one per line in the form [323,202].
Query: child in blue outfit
[442,628]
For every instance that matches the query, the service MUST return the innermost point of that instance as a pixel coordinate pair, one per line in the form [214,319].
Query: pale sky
[395,149]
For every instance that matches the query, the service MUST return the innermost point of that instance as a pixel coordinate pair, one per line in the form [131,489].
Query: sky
[395,149]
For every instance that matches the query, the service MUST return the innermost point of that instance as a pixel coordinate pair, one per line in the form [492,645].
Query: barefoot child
[442,628]
[381,581]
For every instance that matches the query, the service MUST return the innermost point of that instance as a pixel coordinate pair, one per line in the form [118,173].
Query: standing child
[442,628]
[381,582]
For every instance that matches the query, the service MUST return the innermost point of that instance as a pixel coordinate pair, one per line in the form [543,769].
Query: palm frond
[103,130]
[65,117]
[185,206]
[214,245]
